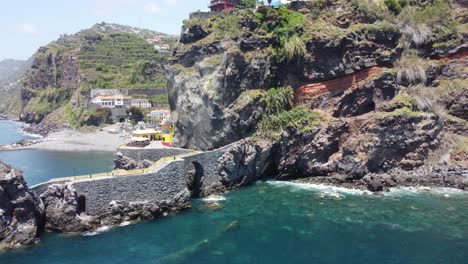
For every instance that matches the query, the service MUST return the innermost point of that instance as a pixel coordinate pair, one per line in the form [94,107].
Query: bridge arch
[81,204]
[194,174]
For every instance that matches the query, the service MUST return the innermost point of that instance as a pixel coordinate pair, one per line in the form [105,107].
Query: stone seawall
[151,154]
[162,185]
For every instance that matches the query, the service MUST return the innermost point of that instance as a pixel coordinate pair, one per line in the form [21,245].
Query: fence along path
[115,173]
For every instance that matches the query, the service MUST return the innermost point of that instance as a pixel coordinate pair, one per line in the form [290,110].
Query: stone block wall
[162,185]
[151,154]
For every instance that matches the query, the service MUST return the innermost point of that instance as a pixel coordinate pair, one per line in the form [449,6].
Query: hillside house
[141,103]
[114,101]
[224,5]
[160,114]
[156,39]
[162,48]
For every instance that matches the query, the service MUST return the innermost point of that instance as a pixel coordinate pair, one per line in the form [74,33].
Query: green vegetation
[410,68]
[122,60]
[228,27]
[249,96]
[293,47]
[280,112]
[278,99]
[299,117]
[45,101]
[136,115]
[99,116]
[373,8]
[396,5]
[161,99]
[248,3]
[76,116]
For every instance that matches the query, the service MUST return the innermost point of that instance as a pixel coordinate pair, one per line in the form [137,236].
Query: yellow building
[167,129]
[166,134]
[151,134]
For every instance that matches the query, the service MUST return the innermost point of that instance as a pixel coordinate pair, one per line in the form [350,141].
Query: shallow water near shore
[277,223]
[41,165]
[269,222]
[10,132]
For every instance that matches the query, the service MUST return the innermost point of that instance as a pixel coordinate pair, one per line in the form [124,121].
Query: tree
[248,3]
[269,2]
[136,115]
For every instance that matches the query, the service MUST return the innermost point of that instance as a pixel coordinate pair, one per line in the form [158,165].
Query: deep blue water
[269,223]
[279,223]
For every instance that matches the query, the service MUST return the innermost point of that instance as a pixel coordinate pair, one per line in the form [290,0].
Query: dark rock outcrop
[62,210]
[246,162]
[21,211]
[126,163]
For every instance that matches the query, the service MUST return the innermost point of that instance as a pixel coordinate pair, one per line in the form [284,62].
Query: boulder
[21,211]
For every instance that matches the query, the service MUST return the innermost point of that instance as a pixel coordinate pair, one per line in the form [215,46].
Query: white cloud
[151,8]
[27,28]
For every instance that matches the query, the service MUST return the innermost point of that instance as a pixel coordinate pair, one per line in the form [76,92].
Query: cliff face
[388,85]
[104,56]
[21,211]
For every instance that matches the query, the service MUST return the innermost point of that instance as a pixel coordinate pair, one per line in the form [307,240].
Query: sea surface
[276,222]
[40,165]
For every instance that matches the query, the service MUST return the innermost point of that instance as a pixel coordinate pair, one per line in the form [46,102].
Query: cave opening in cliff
[194,173]
[81,204]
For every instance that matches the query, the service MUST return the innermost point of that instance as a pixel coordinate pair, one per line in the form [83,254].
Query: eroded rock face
[310,153]
[246,162]
[126,163]
[203,99]
[21,211]
[427,176]
[62,211]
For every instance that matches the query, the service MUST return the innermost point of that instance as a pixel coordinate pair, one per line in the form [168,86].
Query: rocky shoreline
[455,177]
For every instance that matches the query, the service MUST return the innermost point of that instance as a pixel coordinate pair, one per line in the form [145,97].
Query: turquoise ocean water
[278,223]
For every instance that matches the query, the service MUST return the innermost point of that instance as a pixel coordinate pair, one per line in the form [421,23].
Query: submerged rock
[21,211]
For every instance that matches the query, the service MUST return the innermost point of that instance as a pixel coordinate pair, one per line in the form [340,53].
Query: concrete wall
[163,185]
[151,154]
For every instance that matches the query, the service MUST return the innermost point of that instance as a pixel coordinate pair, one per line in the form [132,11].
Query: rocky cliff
[21,210]
[374,88]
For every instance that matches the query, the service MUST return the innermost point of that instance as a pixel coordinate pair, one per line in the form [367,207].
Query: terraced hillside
[104,56]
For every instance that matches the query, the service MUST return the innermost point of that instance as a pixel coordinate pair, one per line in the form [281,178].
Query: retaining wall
[151,154]
[162,185]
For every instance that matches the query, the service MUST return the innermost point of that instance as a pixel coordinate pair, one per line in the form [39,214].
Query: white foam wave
[98,231]
[22,130]
[125,223]
[327,190]
[443,191]
[214,198]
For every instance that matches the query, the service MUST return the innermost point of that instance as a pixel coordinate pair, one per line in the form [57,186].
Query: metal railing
[121,172]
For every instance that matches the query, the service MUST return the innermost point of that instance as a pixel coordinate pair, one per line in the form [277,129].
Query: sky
[25,25]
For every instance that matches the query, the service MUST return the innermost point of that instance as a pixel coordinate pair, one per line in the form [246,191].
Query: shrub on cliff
[410,68]
[294,47]
[396,5]
[279,99]
[300,118]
